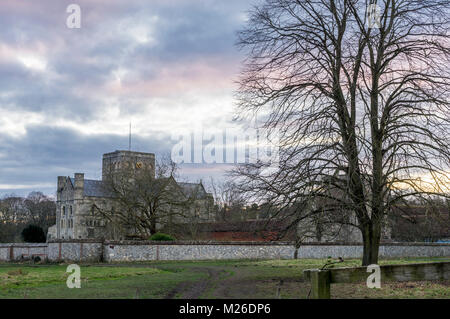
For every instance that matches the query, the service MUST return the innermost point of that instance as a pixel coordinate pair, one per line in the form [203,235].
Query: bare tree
[199,211]
[229,202]
[12,218]
[41,210]
[16,212]
[12,209]
[144,198]
[362,110]
[419,221]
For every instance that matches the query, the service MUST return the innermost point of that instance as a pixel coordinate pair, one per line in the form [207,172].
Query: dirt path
[194,290]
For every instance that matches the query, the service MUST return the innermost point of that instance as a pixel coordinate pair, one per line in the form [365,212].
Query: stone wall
[386,250]
[19,251]
[75,250]
[117,251]
[123,251]
[129,251]
[4,252]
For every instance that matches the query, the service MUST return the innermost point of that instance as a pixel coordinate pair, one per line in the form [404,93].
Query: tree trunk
[297,245]
[371,234]
[152,226]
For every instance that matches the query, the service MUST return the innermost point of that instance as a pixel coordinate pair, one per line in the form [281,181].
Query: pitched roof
[196,189]
[93,188]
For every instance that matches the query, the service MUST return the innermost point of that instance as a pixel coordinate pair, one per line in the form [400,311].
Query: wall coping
[230,243]
[23,245]
[256,243]
[68,241]
[381,244]
[195,242]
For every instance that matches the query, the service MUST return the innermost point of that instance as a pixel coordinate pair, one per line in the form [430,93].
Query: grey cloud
[46,152]
[81,62]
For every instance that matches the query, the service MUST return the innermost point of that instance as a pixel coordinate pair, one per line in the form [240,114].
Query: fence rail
[321,279]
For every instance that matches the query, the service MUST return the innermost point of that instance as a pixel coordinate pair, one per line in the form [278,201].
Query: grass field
[200,279]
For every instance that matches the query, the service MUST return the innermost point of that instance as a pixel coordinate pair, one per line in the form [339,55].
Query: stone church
[77,198]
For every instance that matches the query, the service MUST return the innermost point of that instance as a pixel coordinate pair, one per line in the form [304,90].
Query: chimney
[60,186]
[79,185]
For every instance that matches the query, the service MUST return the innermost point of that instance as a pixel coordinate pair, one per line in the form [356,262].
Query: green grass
[200,279]
[33,276]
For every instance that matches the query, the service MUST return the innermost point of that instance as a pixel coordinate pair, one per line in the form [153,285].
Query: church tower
[115,161]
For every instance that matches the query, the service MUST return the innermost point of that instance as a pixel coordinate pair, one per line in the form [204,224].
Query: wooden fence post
[320,284]
[11,253]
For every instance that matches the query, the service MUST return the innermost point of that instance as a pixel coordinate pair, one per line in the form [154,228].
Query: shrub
[33,234]
[36,259]
[161,237]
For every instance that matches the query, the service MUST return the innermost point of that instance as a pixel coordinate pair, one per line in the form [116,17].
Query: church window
[64,211]
[70,211]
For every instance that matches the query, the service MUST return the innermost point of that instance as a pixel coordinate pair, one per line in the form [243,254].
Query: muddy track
[194,290]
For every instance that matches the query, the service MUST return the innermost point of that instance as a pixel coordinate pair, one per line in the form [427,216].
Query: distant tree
[12,218]
[16,212]
[12,209]
[33,234]
[421,221]
[145,198]
[40,210]
[229,203]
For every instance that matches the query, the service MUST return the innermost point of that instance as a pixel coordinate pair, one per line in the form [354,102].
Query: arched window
[64,211]
[70,211]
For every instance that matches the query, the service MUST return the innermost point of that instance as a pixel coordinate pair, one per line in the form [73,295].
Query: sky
[67,95]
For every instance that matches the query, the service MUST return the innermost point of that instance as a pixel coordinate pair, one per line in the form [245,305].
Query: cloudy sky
[68,95]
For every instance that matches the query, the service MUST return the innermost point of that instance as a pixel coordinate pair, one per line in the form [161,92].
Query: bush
[33,234]
[161,237]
